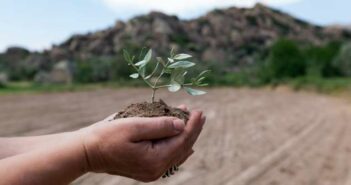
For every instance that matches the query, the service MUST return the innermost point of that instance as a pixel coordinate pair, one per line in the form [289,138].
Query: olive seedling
[168,73]
[171,73]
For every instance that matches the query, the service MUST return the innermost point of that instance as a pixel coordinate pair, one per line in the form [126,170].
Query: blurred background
[62,68]
[298,42]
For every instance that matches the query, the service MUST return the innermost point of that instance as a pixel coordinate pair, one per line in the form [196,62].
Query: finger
[185,157]
[183,107]
[192,129]
[141,129]
[195,135]
[186,139]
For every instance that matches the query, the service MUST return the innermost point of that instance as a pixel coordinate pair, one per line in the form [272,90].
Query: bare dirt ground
[252,137]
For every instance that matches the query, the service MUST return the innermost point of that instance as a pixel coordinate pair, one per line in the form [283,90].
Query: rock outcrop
[233,36]
[229,35]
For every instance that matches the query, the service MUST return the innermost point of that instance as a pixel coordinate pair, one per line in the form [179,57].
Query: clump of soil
[155,109]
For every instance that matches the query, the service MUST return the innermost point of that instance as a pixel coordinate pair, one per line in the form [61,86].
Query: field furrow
[252,137]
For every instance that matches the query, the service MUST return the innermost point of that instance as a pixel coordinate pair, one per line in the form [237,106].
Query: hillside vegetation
[242,46]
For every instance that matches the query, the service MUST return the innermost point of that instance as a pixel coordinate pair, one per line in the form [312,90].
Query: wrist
[89,144]
[72,151]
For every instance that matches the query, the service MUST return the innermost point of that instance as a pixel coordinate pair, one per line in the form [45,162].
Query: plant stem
[154,87]
[153,95]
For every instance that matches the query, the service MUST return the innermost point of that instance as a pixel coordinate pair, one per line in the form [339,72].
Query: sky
[38,24]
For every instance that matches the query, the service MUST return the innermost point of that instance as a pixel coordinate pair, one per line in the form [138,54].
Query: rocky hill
[221,35]
[233,35]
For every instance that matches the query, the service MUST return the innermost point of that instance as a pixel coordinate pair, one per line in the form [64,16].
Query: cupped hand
[140,148]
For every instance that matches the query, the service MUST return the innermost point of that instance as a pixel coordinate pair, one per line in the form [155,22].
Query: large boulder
[3,79]
[61,73]
[161,26]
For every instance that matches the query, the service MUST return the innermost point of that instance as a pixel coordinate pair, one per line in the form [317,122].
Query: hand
[140,148]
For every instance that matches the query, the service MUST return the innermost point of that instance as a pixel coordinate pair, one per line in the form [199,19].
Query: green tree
[285,60]
[320,60]
[94,70]
[342,61]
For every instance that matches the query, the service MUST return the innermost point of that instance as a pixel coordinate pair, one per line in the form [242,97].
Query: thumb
[154,128]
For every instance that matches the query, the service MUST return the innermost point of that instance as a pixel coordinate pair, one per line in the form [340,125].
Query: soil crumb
[156,109]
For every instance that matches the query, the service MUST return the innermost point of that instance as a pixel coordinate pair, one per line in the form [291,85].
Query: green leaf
[141,63]
[168,70]
[148,56]
[200,79]
[146,59]
[142,71]
[148,77]
[172,53]
[134,75]
[177,75]
[126,56]
[153,72]
[194,92]
[174,86]
[182,64]
[182,56]
[141,53]
[170,60]
[202,73]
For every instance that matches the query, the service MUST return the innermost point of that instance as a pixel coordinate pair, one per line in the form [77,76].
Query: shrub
[342,61]
[181,39]
[93,70]
[320,60]
[321,84]
[101,69]
[285,60]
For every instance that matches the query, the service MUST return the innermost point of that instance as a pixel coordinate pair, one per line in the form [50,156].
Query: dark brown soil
[156,109]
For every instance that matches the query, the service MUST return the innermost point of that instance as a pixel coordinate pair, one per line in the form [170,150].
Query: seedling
[168,73]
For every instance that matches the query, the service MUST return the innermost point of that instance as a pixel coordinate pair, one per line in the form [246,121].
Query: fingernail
[178,125]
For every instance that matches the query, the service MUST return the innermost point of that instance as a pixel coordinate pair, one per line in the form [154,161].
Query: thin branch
[154,71]
[153,95]
[161,74]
